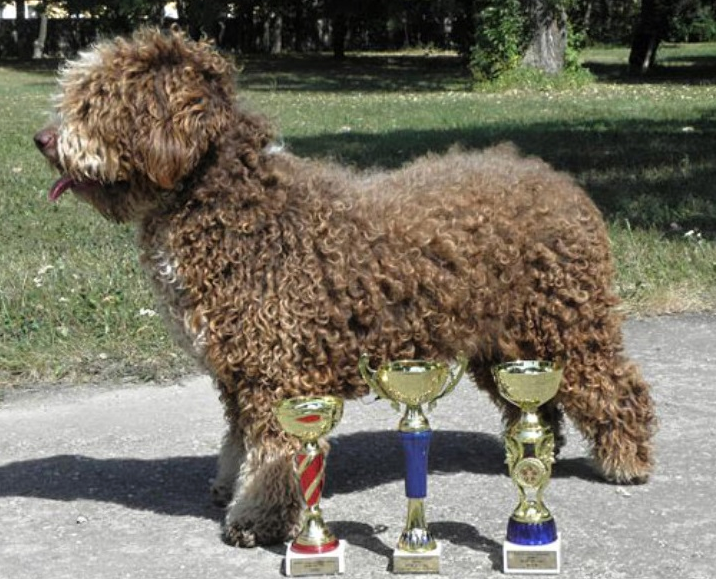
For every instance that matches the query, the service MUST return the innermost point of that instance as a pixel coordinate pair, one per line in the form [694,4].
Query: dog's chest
[186,322]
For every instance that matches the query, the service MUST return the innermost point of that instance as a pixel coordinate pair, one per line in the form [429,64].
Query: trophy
[532,545]
[414,383]
[315,551]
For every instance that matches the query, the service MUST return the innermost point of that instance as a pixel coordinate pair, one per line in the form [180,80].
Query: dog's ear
[189,102]
[172,149]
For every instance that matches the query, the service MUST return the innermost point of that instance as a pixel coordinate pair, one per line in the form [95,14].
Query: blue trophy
[414,383]
[532,544]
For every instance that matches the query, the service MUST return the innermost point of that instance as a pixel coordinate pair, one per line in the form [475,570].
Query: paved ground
[112,482]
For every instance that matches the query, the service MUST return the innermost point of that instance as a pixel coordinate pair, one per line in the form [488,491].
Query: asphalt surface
[112,481]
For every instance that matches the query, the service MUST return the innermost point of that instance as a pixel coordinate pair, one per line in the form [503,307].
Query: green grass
[74,305]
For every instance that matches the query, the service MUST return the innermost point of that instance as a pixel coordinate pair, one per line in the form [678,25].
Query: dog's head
[135,117]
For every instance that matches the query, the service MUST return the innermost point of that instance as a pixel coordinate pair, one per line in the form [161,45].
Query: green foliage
[500,39]
[696,24]
[576,43]
[114,16]
[526,78]
[503,32]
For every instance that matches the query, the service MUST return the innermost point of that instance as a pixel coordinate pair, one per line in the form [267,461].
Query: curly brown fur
[276,272]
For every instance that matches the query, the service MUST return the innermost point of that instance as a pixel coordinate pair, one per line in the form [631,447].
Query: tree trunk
[548,31]
[276,34]
[340,32]
[39,44]
[648,32]
[20,10]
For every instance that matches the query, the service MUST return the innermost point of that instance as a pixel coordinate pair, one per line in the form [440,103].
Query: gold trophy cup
[315,551]
[414,383]
[532,544]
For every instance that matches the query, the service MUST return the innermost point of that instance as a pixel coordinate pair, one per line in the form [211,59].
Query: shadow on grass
[357,73]
[683,71]
[46,66]
[652,173]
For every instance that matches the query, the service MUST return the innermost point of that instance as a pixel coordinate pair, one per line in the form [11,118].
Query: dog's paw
[250,525]
[237,536]
[622,478]
[625,472]
[249,534]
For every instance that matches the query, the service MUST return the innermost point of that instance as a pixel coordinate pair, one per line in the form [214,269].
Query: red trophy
[315,551]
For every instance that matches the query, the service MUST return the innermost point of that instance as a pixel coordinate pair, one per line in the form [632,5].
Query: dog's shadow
[368,459]
[371,538]
[178,486]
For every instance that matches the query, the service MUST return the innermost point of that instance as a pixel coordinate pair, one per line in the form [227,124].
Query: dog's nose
[44,139]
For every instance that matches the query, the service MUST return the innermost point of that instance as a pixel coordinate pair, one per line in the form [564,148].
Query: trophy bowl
[309,417]
[528,383]
[412,382]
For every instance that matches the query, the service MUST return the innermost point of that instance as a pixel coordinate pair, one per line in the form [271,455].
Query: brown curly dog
[276,272]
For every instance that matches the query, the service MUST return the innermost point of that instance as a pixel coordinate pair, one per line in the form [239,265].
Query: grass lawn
[74,305]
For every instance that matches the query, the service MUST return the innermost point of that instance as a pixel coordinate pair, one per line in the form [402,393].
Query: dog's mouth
[66,182]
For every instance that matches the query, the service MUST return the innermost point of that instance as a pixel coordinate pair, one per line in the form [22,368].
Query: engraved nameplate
[407,562]
[303,565]
[529,561]
[315,566]
[532,559]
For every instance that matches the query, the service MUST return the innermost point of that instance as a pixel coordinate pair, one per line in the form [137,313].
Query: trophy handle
[456,373]
[367,373]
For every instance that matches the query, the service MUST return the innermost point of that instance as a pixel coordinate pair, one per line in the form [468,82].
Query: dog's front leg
[266,506]
[231,457]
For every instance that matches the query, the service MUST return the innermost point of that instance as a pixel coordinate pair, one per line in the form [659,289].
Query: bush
[696,25]
[500,39]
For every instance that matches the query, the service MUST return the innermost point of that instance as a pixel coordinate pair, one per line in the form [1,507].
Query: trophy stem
[530,455]
[414,420]
[415,536]
[314,536]
[529,429]
[416,444]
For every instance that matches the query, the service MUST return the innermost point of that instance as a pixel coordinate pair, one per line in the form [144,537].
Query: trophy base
[409,562]
[532,559]
[302,565]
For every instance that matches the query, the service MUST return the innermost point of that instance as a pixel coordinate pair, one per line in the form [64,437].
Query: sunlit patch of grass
[659,273]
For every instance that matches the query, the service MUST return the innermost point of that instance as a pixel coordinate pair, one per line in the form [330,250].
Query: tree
[547,33]
[202,17]
[651,28]
[115,16]
[512,33]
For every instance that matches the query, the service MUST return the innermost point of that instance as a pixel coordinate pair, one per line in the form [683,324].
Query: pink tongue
[60,186]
